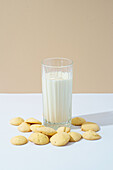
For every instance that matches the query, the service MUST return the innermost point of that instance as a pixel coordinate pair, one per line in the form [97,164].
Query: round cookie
[74,136]
[90,126]
[63,129]
[38,138]
[32,121]
[24,127]
[35,126]
[46,130]
[19,140]
[16,121]
[91,135]
[77,121]
[60,139]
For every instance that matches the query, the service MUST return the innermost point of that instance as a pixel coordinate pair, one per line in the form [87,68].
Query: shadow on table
[103,118]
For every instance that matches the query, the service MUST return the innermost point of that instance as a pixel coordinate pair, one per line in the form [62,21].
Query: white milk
[57,97]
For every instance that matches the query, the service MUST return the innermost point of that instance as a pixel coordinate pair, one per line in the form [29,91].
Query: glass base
[57,125]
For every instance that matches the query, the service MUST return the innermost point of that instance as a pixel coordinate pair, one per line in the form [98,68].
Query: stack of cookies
[43,135]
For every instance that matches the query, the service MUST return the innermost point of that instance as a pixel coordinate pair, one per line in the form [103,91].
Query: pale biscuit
[16,121]
[33,120]
[38,138]
[60,139]
[19,140]
[74,136]
[89,126]
[35,126]
[24,127]
[46,130]
[63,129]
[77,121]
[91,135]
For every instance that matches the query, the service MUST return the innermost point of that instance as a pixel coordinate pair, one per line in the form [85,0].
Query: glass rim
[71,62]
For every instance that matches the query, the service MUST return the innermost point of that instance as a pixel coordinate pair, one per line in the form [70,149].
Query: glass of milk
[57,91]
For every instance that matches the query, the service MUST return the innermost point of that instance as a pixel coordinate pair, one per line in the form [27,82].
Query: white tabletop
[82,155]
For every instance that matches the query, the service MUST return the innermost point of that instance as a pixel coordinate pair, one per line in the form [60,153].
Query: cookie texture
[35,126]
[60,139]
[77,121]
[33,120]
[19,140]
[16,121]
[38,138]
[90,126]
[63,129]
[91,135]
[24,127]
[47,131]
[74,136]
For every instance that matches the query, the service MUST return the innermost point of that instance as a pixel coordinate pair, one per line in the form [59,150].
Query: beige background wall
[31,30]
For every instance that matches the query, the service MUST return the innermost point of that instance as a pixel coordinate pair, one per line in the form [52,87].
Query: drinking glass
[57,75]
